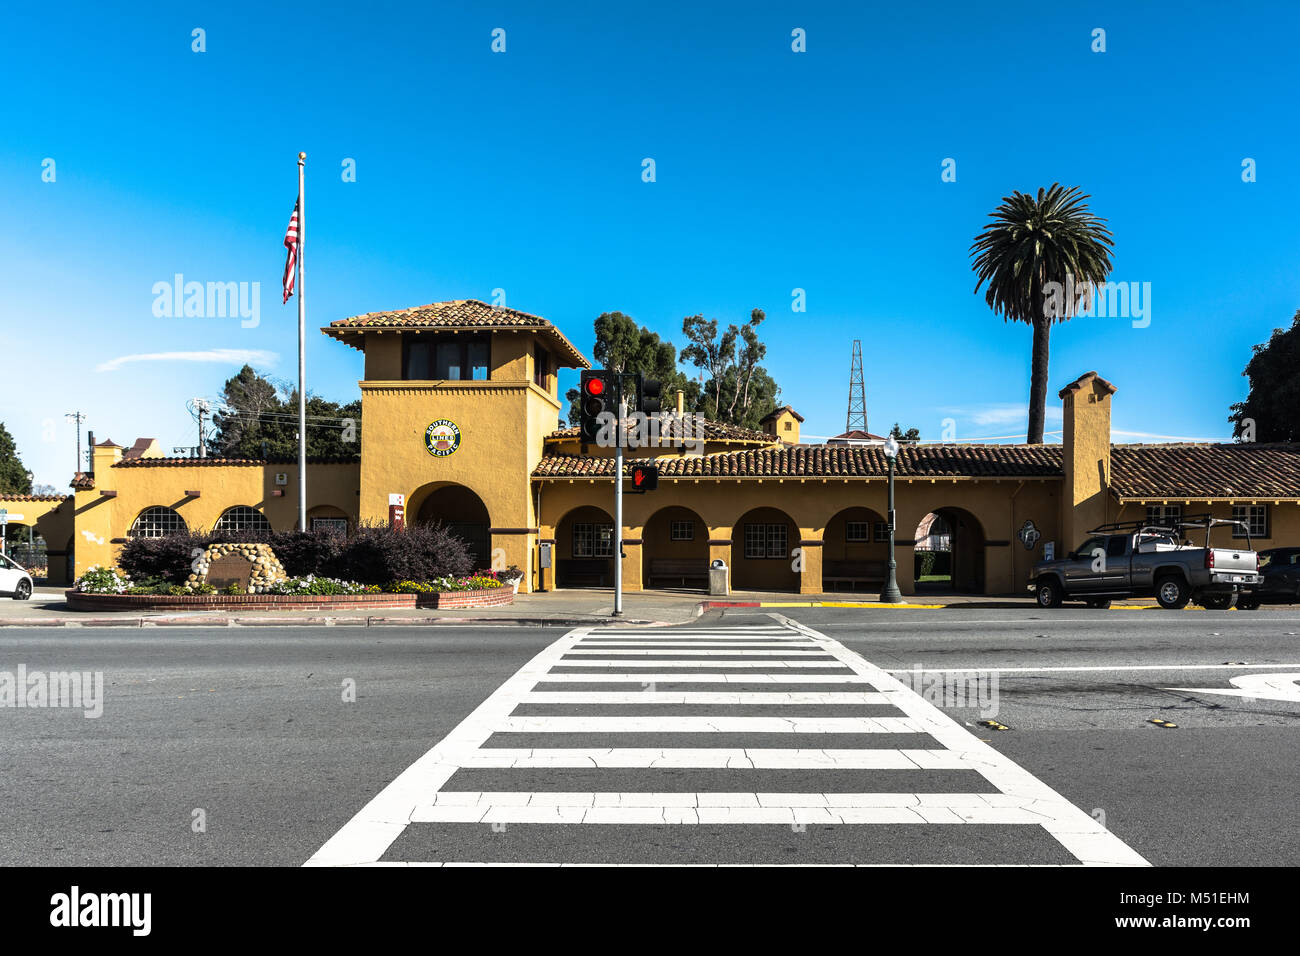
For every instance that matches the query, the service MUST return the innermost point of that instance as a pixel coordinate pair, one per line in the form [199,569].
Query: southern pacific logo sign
[442,438]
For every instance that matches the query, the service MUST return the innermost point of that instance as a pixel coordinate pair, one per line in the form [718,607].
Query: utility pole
[201,409]
[857,415]
[78,418]
[618,501]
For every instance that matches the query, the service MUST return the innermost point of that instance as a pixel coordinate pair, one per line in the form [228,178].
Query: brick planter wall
[492,597]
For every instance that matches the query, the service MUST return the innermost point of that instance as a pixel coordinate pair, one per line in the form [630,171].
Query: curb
[237,622]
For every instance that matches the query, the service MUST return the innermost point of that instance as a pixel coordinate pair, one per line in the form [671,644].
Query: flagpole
[302,352]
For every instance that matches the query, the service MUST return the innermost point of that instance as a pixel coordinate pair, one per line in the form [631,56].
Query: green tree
[736,389]
[260,419]
[1025,255]
[14,479]
[911,435]
[1273,403]
[624,346]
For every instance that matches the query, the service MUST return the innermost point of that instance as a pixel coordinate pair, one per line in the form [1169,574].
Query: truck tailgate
[1225,559]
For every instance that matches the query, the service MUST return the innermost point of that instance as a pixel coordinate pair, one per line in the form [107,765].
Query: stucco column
[546,576]
[810,577]
[905,555]
[720,548]
[632,564]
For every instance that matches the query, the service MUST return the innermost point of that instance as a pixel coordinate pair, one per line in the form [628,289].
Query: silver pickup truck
[1137,559]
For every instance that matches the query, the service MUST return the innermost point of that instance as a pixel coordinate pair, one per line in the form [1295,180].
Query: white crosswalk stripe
[762,686]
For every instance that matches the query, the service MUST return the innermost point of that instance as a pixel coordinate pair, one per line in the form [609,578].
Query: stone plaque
[230,569]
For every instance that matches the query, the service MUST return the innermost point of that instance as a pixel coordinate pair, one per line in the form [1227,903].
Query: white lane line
[735,645]
[706,815]
[647,678]
[792,652]
[991,668]
[771,664]
[1078,832]
[718,758]
[369,834]
[694,697]
[727,800]
[709,725]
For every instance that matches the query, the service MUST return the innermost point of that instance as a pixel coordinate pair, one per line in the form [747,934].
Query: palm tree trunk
[1038,379]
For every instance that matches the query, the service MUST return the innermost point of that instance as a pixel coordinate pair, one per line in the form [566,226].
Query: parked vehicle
[1137,559]
[1279,570]
[14,580]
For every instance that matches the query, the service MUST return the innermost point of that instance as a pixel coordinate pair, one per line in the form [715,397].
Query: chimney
[1085,457]
[681,402]
[90,446]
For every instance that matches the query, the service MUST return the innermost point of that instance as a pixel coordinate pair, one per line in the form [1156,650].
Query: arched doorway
[675,550]
[949,552]
[762,551]
[584,549]
[462,512]
[855,551]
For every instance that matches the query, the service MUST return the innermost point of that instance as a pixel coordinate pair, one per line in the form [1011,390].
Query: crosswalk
[755,744]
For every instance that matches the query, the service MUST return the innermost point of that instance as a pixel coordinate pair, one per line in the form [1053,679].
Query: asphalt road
[249,731]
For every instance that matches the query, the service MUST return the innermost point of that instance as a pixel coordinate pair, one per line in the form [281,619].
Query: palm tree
[1031,243]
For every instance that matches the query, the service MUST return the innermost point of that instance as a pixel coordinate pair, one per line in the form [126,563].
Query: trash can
[718,581]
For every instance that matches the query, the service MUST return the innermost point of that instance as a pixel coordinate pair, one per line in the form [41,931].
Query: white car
[14,581]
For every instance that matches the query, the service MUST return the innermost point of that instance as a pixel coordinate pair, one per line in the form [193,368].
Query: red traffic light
[595,386]
[638,477]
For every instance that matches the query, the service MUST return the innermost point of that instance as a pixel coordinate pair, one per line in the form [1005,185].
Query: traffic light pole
[618,507]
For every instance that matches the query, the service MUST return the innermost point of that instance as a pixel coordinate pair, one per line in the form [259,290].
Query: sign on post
[397,512]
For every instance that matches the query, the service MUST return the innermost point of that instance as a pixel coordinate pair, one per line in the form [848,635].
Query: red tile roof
[835,461]
[1194,471]
[457,314]
[12,497]
[713,431]
[82,481]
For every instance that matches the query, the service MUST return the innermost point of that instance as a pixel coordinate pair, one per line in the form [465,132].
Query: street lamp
[891,594]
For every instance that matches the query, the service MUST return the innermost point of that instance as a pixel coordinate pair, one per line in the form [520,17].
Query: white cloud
[1005,413]
[224,356]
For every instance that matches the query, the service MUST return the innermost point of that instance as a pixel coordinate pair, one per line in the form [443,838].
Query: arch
[584,548]
[950,551]
[675,549]
[762,546]
[328,518]
[26,546]
[242,518]
[855,549]
[158,521]
[463,513]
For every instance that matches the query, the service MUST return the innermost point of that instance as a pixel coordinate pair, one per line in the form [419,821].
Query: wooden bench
[853,573]
[679,571]
[584,572]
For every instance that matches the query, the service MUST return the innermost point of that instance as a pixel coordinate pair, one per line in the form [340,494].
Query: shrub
[379,554]
[163,559]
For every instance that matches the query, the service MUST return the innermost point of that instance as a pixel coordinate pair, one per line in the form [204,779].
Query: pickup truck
[1136,559]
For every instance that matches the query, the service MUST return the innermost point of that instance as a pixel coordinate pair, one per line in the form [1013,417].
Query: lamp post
[891,594]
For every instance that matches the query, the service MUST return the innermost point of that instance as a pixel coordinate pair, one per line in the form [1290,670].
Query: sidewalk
[567,608]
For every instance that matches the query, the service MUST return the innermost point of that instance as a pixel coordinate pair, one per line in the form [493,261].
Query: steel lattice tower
[857,416]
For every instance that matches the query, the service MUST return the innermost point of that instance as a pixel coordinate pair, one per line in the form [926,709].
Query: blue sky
[522,171]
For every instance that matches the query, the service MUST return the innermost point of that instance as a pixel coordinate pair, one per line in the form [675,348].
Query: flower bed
[109,589]
[488,597]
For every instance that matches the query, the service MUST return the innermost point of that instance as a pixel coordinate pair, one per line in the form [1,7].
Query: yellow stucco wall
[105,513]
[49,517]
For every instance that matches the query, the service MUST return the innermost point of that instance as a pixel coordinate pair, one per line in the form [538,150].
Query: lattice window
[157,522]
[1256,518]
[242,518]
[856,532]
[682,531]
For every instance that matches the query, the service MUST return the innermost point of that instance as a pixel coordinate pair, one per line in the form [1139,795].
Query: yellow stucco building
[460,415]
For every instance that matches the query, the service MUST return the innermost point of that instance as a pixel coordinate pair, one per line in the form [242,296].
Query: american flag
[291,243]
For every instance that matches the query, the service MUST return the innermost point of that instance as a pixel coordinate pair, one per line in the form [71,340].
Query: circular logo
[442,438]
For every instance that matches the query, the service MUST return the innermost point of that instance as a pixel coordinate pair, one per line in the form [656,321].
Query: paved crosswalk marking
[758,665]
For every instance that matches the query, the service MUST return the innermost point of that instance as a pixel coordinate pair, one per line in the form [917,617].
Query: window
[157,522]
[541,366]
[1117,546]
[1256,518]
[856,531]
[1086,549]
[882,530]
[788,427]
[593,540]
[765,541]
[1164,516]
[335,525]
[429,359]
[682,531]
[242,518]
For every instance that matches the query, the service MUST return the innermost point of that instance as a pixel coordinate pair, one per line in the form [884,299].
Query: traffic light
[599,394]
[647,397]
[644,478]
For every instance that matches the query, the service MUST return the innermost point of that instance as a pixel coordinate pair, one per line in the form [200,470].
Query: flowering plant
[101,580]
[314,585]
